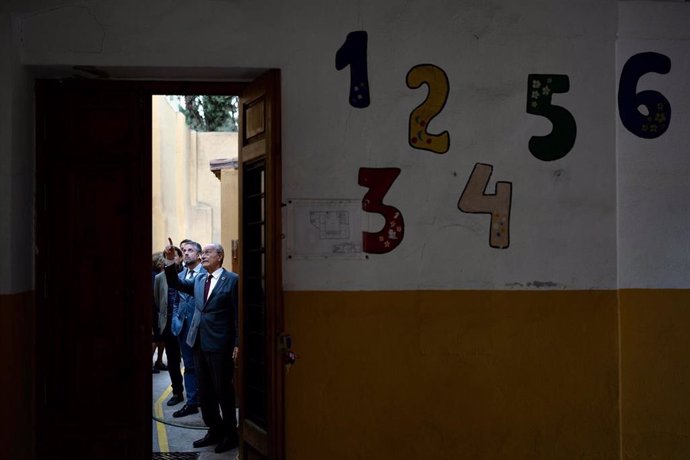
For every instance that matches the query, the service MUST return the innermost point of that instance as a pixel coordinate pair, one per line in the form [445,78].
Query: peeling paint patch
[535,284]
[541,284]
[512,285]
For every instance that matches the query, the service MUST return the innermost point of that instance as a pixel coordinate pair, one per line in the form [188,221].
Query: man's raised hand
[169,250]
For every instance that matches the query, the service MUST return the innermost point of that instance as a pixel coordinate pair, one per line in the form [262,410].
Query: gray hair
[219,249]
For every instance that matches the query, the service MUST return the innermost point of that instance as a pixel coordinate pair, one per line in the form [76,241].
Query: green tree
[210,113]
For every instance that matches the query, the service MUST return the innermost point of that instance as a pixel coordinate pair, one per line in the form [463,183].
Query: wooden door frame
[272,445]
[156,87]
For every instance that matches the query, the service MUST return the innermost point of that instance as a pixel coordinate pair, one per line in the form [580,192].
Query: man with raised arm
[213,336]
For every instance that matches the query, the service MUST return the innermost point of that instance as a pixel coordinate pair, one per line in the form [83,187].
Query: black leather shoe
[185,411]
[227,444]
[176,399]
[208,440]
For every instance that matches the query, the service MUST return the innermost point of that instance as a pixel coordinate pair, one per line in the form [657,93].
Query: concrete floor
[178,434]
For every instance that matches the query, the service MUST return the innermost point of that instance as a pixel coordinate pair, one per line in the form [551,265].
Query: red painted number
[379,181]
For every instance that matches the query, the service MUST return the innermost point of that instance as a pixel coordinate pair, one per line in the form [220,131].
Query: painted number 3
[379,181]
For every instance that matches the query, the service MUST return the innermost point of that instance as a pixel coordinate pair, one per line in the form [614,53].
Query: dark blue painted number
[561,139]
[354,53]
[655,121]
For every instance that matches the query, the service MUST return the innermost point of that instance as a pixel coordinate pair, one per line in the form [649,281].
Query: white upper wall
[563,214]
[654,174]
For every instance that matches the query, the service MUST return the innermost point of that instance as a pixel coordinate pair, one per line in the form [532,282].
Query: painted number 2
[379,181]
[474,199]
[437,81]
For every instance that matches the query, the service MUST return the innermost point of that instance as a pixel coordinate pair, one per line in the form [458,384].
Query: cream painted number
[474,199]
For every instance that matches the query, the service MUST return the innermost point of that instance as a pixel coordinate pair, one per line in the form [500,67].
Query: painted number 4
[474,199]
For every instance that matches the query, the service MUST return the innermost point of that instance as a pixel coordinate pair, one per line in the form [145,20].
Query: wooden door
[93,227]
[261,368]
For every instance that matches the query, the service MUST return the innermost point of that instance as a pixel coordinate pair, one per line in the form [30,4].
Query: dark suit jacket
[214,324]
[183,311]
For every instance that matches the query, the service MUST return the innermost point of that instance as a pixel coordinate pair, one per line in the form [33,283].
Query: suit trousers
[190,380]
[214,375]
[172,351]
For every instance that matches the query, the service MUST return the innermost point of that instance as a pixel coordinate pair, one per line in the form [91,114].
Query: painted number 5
[561,139]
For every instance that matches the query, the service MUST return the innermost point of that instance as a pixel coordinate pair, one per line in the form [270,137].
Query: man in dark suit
[183,313]
[214,338]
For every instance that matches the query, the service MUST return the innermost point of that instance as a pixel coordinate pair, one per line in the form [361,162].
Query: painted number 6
[655,122]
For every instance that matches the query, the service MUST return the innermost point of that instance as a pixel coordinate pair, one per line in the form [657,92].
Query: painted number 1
[354,53]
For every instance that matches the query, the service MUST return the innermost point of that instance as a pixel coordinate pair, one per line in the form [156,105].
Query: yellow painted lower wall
[17,376]
[655,374]
[453,375]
